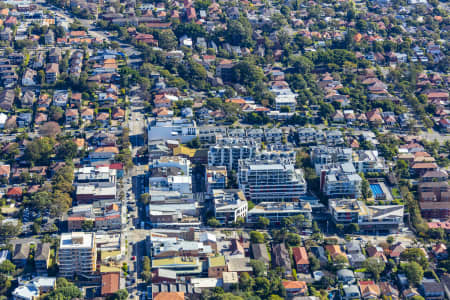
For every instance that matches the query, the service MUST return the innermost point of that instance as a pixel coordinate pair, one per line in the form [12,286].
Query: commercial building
[77,254]
[370,218]
[94,174]
[87,193]
[178,162]
[183,130]
[271,180]
[229,205]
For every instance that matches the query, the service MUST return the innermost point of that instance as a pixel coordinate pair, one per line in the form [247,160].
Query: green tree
[257,237]
[119,295]
[146,273]
[326,110]
[67,149]
[144,198]
[247,73]
[40,150]
[7,267]
[65,290]
[213,222]
[263,222]
[340,260]
[88,225]
[167,39]
[245,282]
[293,239]
[56,113]
[414,272]
[262,287]
[259,268]
[375,266]
[365,189]
[353,228]
[415,255]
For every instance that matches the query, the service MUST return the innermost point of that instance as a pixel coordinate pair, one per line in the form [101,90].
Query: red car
[133,258]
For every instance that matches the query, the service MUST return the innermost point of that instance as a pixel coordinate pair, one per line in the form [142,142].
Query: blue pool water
[376,189]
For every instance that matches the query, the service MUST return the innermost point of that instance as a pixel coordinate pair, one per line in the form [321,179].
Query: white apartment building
[368,161]
[228,151]
[180,129]
[286,100]
[77,254]
[229,205]
[340,181]
[271,180]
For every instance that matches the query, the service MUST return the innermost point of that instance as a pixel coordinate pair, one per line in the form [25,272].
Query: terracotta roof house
[369,290]
[110,283]
[376,252]
[301,259]
[440,251]
[396,250]
[295,288]
[118,113]
[409,293]
[388,290]
[15,193]
[169,296]
[5,171]
[334,250]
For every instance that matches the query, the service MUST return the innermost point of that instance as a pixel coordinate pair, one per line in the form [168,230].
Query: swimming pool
[376,190]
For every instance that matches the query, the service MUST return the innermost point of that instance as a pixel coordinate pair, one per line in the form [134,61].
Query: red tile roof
[300,256]
[110,283]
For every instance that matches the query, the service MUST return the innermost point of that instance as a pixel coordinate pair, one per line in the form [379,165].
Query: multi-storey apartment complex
[323,155]
[271,180]
[215,178]
[229,205]
[340,181]
[308,135]
[77,254]
[228,151]
[368,161]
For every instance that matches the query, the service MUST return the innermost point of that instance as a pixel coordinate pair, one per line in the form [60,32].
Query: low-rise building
[183,130]
[277,211]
